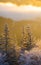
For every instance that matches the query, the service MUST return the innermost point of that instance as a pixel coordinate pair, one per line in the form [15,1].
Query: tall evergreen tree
[6,38]
[30,40]
[0,42]
[0,39]
[23,40]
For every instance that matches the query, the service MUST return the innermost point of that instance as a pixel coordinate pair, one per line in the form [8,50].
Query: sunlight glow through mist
[22,12]
[21,7]
[9,4]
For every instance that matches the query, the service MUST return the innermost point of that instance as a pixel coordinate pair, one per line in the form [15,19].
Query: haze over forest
[20,32]
[22,12]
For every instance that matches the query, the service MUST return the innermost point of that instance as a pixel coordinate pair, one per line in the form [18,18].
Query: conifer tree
[0,42]
[30,40]
[23,40]
[6,38]
[0,39]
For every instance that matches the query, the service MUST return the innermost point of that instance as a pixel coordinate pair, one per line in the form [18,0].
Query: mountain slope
[15,28]
[35,27]
[4,21]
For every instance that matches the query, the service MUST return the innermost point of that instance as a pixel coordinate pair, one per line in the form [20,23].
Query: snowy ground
[3,59]
[32,57]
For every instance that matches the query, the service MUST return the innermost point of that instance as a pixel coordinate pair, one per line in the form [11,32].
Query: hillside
[10,23]
[16,27]
[35,27]
[4,21]
[23,57]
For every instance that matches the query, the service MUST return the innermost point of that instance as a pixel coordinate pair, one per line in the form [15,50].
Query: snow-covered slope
[3,59]
[32,57]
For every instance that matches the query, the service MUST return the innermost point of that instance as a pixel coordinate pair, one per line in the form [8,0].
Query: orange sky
[10,6]
[24,2]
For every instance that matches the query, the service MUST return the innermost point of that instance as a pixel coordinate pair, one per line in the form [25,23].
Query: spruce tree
[6,38]
[30,40]
[23,41]
[0,43]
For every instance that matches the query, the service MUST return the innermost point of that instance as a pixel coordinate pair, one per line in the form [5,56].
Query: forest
[18,49]
[20,32]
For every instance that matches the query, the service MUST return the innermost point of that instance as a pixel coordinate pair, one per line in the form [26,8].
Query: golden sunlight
[21,8]
[9,4]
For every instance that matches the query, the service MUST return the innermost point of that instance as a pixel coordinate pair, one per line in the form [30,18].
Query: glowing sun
[9,4]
